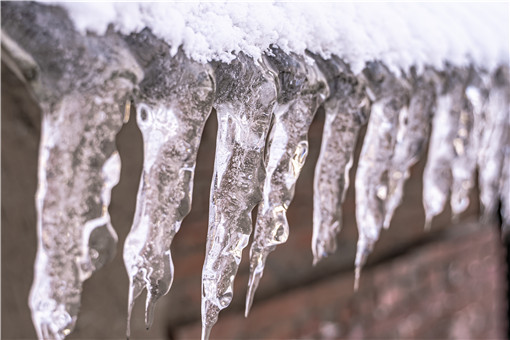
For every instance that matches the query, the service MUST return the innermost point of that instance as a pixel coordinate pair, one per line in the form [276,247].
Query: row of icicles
[264,110]
[273,102]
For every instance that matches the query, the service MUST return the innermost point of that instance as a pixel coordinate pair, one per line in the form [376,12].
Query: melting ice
[264,109]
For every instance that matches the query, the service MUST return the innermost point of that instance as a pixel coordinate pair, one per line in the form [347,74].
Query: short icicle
[465,146]
[411,139]
[391,97]
[437,176]
[347,109]
[493,127]
[501,107]
[301,89]
[173,104]
[246,93]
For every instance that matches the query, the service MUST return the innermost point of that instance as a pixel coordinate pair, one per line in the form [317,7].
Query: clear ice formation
[301,90]
[264,110]
[347,109]
[80,96]
[245,96]
[451,134]
[411,138]
[390,96]
[174,101]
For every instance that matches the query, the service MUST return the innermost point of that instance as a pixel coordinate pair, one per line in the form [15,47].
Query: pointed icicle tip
[249,301]
[428,224]
[206,332]
[357,274]
[149,310]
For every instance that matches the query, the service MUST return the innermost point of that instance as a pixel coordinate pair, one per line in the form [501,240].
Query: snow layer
[398,34]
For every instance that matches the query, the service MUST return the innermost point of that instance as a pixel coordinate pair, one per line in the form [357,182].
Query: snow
[398,34]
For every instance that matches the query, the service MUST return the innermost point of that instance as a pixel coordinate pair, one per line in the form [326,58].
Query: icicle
[372,178]
[412,135]
[492,122]
[301,90]
[80,83]
[175,101]
[447,142]
[246,94]
[78,167]
[464,162]
[499,155]
[346,109]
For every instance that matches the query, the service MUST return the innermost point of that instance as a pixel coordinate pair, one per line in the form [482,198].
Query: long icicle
[347,109]
[171,113]
[411,139]
[80,94]
[391,96]
[246,93]
[301,89]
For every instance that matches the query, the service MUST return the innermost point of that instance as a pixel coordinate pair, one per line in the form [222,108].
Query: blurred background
[450,282]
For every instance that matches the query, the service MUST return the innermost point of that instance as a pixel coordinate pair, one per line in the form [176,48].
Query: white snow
[399,34]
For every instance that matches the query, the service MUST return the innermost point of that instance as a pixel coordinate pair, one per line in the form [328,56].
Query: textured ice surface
[246,93]
[390,97]
[464,161]
[174,102]
[411,138]
[347,108]
[451,127]
[80,94]
[493,127]
[499,152]
[301,89]
[81,80]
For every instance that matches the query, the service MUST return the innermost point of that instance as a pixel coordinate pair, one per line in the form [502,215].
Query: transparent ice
[246,93]
[174,102]
[264,109]
[347,109]
[81,96]
[390,98]
[301,89]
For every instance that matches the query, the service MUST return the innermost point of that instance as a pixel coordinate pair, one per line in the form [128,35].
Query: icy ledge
[264,105]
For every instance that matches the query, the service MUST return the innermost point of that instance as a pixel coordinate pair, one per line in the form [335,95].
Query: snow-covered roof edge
[400,35]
